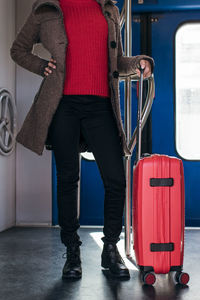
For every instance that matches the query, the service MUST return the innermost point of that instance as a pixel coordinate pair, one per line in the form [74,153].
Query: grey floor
[31,263]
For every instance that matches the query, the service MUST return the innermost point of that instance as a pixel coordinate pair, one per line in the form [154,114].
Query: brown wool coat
[45,25]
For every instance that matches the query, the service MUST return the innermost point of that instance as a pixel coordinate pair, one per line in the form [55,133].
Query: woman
[78,104]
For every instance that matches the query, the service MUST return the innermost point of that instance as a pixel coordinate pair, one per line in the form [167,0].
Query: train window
[187,90]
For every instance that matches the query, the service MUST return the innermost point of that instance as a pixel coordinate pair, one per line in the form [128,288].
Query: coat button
[115,74]
[113,44]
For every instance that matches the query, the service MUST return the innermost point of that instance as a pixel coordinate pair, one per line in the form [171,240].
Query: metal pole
[128,110]
[79,187]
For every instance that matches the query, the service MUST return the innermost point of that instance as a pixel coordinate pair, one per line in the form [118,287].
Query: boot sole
[122,275]
[72,275]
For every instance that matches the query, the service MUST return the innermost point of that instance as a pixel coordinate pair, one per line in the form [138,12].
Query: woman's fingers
[147,68]
[50,64]
[145,64]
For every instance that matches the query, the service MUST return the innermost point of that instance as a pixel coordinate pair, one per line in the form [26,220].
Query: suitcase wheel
[149,278]
[182,278]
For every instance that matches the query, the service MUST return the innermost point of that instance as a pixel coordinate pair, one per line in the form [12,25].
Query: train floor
[31,266]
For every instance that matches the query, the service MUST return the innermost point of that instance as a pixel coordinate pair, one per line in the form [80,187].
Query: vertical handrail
[79,188]
[128,121]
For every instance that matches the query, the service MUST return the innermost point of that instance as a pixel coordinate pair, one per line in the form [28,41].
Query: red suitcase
[158,213]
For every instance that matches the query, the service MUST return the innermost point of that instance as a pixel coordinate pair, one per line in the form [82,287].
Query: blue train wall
[164,5]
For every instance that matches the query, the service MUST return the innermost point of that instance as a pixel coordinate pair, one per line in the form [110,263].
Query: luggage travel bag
[158,212]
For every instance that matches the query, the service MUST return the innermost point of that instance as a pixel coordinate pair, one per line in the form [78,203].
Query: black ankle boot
[111,259]
[72,268]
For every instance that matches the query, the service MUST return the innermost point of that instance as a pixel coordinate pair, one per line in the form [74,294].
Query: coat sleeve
[127,65]
[22,46]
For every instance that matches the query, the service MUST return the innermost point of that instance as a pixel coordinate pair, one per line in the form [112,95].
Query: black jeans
[92,116]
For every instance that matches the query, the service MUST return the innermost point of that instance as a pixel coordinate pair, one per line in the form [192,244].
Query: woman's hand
[145,64]
[50,64]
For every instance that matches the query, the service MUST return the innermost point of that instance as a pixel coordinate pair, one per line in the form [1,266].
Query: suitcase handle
[139,119]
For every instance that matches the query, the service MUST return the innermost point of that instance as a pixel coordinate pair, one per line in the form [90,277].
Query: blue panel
[163,122]
[165,5]
[92,194]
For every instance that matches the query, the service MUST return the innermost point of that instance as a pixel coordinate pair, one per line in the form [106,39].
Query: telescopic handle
[139,120]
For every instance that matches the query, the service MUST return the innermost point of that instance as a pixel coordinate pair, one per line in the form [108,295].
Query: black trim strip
[155,247]
[161,181]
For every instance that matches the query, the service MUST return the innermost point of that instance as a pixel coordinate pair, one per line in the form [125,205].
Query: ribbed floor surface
[31,264]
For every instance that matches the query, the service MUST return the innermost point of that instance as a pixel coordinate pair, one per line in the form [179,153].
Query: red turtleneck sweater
[87,49]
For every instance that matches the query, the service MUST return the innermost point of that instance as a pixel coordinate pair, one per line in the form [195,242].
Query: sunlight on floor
[97,238]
